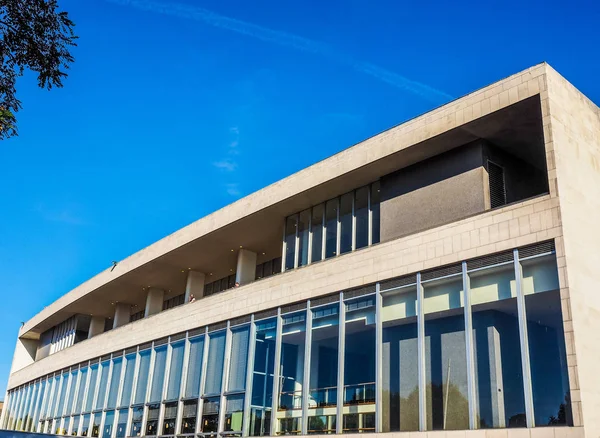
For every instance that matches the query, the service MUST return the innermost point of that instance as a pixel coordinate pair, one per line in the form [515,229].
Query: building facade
[436,278]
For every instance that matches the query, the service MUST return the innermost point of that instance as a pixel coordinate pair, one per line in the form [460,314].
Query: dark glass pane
[331,213]
[210,415]
[361,212]
[375,195]
[303,233]
[317,233]
[152,422]
[188,423]
[324,358]
[136,421]
[290,242]
[346,222]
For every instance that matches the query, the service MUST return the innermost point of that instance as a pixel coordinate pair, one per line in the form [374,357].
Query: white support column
[421,358]
[96,326]
[306,374]
[225,380]
[524,341]
[353,220]
[297,241]
[194,285]
[276,374]
[378,361]
[370,217]
[249,378]
[154,301]
[338,229]
[283,246]
[340,380]
[323,231]
[310,238]
[122,314]
[246,267]
[471,391]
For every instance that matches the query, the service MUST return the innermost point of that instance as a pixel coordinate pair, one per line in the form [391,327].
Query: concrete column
[96,326]
[122,314]
[246,267]
[195,285]
[154,301]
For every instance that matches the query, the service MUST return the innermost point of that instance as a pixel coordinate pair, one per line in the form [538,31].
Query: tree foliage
[35,36]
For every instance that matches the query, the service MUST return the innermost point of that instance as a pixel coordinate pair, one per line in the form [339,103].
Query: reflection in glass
[170,418]
[175,370]
[115,380]
[303,233]
[122,423]
[83,372]
[445,355]
[238,359]
[85,425]
[323,368]
[75,427]
[109,419]
[152,421]
[262,378]
[128,380]
[361,212]
[210,415]
[142,380]
[71,394]
[137,415]
[498,372]
[188,422]
[104,368]
[346,222]
[290,241]
[291,379]
[234,414]
[96,424]
[158,376]
[359,363]
[62,395]
[317,233]
[400,383]
[331,221]
[375,195]
[216,357]
[194,372]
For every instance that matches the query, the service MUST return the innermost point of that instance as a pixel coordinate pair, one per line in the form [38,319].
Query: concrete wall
[573,151]
[24,354]
[439,190]
[43,348]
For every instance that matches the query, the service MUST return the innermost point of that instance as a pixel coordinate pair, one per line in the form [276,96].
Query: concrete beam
[154,301]
[122,314]
[194,285]
[96,326]
[246,267]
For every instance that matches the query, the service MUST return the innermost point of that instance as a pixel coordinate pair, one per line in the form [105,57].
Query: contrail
[285,39]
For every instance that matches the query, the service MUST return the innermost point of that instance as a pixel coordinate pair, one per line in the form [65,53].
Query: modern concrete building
[439,278]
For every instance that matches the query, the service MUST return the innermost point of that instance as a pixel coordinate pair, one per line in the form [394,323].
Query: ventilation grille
[131,350]
[170,411]
[117,354]
[189,408]
[334,298]
[494,259]
[84,364]
[359,291]
[497,185]
[153,411]
[161,341]
[441,272]
[537,249]
[293,307]
[397,282]
[196,332]
[266,314]
[240,320]
[145,346]
[177,337]
[217,326]
[94,361]
[105,358]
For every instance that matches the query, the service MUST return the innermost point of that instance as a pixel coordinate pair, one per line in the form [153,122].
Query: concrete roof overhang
[256,221]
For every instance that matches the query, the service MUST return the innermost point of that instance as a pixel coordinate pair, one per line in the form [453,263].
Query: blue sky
[175,109]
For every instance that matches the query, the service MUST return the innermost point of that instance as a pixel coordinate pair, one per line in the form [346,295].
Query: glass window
[359,362]
[320,424]
[323,366]
[238,359]
[53,397]
[498,372]
[547,356]
[142,380]
[96,424]
[346,222]
[400,380]
[158,376]
[303,233]
[137,415]
[375,216]
[71,393]
[152,421]
[128,379]
[210,415]
[317,233]
[175,370]
[359,422]
[83,372]
[188,422]
[115,380]
[540,275]
[170,418]
[290,241]
[234,414]
[85,426]
[216,357]
[123,414]
[194,371]
[361,213]
[75,427]
[109,420]
[331,221]
[445,355]
[39,408]
[291,367]
[62,395]
[262,380]
[104,369]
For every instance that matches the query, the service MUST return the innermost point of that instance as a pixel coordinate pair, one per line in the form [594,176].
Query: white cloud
[227,165]
[233,189]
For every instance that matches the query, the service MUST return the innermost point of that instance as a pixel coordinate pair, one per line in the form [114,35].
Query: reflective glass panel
[216,357]
[71,393]
[137,415]
[158,376]
[152,421]
[238,359]
[317,233]
[210,415]
[194,372]
[303,233]
[175,370]
[109,420]
[190,410]
[375,195]
[290,241]
[85,426]
[262,379]
[96,424]
[142,380]
[62,395]
[123,414]
[104,369]
[83,373]
[130,360]
[115,380]
[331,221]
[170,418]
[361,213]
[75,427]
[234,414]
[346,222]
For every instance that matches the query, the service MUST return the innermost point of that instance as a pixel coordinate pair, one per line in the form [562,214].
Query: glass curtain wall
[476,316]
